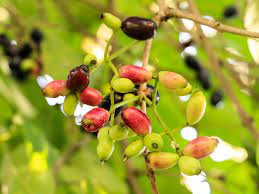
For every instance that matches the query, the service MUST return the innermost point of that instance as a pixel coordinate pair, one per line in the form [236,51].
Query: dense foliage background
[34,135]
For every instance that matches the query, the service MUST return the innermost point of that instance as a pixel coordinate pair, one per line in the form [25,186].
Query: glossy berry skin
[95,119]
[105,149]
[90,96]
[111,21]
[25,51]
[70,104]
[138,75]
[192,63]
[189,165]
[162,160]
[154,141]
[134,149]
[36,36]
[216,97]
[122,85]
[172,80]
[200,147]
[78,78]
[118,132]
[103,133]
[139,28]
[136,120]
[230,12]
[196,107]
[56,88]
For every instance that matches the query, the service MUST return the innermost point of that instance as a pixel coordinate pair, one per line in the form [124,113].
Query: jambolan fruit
[56,88]
[189,165]
[78,78]
[136,120]
[196,107]
[162,160]
[134,149]
[172,80]
[138,75]
[90,96]
[95,119]
[200,147]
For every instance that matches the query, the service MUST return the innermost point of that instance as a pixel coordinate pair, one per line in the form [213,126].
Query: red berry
[78,78]
[200,147]
[136,120]
[90,96]
[95,119]
[138,75]
[56,88]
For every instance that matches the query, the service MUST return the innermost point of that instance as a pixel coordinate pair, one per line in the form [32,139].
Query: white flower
[81,111]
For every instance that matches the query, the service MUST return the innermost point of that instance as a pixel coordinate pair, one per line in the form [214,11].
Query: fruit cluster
[128,90]
[20,56]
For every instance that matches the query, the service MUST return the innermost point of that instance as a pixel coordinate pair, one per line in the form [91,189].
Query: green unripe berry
[153,141]
[134,149]
[70,104]
[123,85]
[28,64]
[128,96]
[183,91]
[189,165]
[90,60]
[118,132]
[111,21]
[105,149]
[103,133]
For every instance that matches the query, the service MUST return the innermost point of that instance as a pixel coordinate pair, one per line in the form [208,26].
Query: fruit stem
[122,50]
[149,102]
[112,104]
[136,98]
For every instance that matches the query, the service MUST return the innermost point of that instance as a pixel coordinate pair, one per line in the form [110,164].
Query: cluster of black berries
[202,74]
[19,55]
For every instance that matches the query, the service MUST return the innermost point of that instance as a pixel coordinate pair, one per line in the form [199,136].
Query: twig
[68,153]
[213,58]
[174,12]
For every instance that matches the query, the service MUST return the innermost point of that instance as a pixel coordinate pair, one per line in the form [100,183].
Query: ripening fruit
[136,74]
[106,103]
[118,132]
[153,141]
[70,104]
[136,120]
[90,60]
[78,78]
[183,91]
[189,165]
[196,107]
[139,28]
[105,148]
[172,80]
[95,119]
[122,85]
[90,96]
[103,133]
[56,88]
[128,96]
[162,160]
[134,149]
[200,147]
[111,21]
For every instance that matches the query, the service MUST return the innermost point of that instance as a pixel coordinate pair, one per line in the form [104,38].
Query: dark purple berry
[25,51]
[216,97]
[106,103]
[192,63]
[4,40]
[139,28]
[78,78]
[230,12]
[204,78]
[36,36]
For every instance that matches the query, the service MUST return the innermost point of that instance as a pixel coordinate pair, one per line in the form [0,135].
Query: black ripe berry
[36,36]
[192,63]
[216,97]
[204,78]
[15,67]
[4,40]
[106,103]
[139,28]
[230,12]
[78,78]
[25,51]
